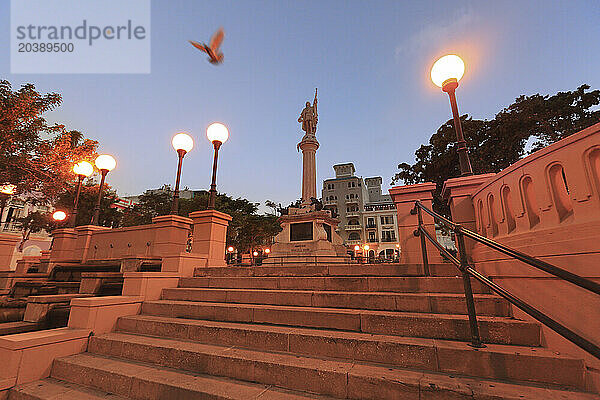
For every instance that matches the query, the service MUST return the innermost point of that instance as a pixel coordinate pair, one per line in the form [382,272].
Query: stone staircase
[321,332]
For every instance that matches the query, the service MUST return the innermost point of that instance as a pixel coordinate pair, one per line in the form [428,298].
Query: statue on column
[309,117]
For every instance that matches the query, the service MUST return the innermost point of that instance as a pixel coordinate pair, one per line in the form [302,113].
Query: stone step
[337,378]
[329,270]
[494,361]
[145,381]
[444,303]
[352,284]
[53,389]
[499,330]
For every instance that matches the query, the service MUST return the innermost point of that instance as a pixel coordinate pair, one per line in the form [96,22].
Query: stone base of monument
[308,237]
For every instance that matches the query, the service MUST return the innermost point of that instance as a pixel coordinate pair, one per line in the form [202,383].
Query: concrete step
[499,330]
[494,361]
[330,270]
[53,389]
[444,303]
[10,328]
[145,381]
[352,284]
[336,378]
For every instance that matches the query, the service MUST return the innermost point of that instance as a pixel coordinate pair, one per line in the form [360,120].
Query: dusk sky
[369,59]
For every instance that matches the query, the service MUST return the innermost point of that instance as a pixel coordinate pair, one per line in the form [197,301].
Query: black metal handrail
[468,272]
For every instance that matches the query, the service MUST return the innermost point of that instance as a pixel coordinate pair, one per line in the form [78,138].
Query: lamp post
[6,191]
[83,169]
[230,250]
[105,163]
[218,134]
[182,143]
[445,73]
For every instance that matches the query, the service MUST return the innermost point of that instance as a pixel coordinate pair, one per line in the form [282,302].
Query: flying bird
[215,56]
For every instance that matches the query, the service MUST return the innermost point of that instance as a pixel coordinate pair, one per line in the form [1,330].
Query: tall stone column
[309,146]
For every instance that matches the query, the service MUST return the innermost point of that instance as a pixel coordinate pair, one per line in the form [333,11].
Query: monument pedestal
[307,236]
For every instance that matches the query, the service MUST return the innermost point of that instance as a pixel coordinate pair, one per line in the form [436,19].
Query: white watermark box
[80,36]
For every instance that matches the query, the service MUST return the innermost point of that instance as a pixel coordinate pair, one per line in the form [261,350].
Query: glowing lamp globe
[267,251]
[230,249]
[366,247]
[105,162]
[356,248]
[83,168]
[182,141]
[8,189]
[59,215]
[255,253]
[446,68]
[217,132]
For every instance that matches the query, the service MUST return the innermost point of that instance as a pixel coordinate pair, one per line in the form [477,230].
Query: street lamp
[83,169]
[105,163]
[445,73]
[182,143]
[230,250]
[59,215]
[218,134]
[6,191]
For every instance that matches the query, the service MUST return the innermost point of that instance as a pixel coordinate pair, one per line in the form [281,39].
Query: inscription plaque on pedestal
[301,231]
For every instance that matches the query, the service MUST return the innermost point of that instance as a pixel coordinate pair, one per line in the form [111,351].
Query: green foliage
[495,144]
[35,156]
[151,204]
[246,230]
[110,217]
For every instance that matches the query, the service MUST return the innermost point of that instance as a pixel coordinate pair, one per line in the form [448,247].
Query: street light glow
[366,247]
[447,67]
[106,162]
[8,189]
[217,132]
[59,215]
[182,141]
[356,248]
[230,249]
[255,253]
[83,168]
[267,251]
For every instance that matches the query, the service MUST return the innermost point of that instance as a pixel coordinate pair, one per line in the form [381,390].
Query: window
[387,220]
[354,236]
[388,236]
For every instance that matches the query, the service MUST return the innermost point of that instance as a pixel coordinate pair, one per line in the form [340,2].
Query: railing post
[423,243]
[460,240]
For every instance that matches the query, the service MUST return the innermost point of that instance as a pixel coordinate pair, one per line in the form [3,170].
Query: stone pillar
[457,192]
[8,243]
[171,234]
[404,198]
[309,146]
[84,237]
[210,232]
[63,244]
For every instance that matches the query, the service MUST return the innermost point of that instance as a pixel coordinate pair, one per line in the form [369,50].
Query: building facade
[367,217]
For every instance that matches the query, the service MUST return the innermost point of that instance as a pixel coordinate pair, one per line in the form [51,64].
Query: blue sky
[369,59]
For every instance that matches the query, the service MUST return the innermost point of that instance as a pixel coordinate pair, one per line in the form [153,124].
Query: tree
[152,203]
[35,156]
[109,216]
[247,229]
[32,223]
[495,144]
